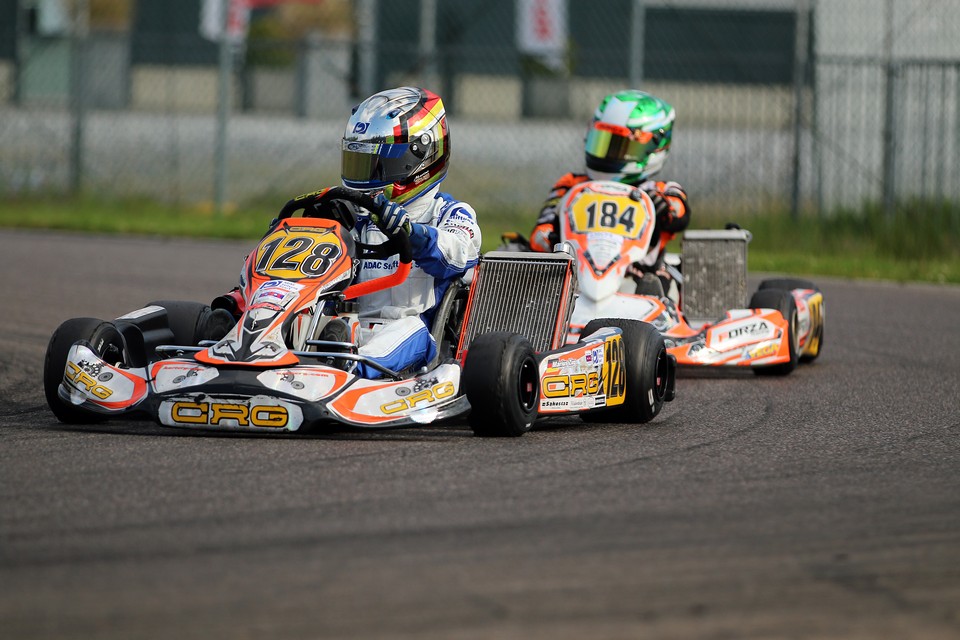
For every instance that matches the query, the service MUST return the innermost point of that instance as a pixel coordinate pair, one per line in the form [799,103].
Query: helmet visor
[620,144]
[371,165]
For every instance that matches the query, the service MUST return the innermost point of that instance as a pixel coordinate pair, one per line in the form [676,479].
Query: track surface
[825,504]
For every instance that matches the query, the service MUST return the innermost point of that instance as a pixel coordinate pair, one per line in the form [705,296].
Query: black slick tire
[501,380]
[106,341]
[795,283]
[781,300]
[649,372]
[788,284]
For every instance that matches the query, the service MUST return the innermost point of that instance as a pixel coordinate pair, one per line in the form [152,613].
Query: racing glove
[670,202]
[393,216]
[232,301]
[661,205]
[544,237]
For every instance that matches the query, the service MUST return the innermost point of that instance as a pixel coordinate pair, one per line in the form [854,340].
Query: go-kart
[502,357]
[610,226]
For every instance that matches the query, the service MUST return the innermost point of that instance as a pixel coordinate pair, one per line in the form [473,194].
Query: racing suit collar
[420,208]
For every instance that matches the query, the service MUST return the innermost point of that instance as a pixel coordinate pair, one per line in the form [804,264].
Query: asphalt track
[822,505]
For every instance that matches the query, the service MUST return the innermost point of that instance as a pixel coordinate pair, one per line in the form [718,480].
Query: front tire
[781,300]
[502,382]
[106,342]
[649,371]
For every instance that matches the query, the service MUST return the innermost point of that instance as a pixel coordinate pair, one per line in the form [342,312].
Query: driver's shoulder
[449,207]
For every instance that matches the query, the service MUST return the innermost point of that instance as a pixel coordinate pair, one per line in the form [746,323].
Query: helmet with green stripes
[629,137]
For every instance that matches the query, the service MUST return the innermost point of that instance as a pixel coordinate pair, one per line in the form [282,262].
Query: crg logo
[572,386]
[227,414]
[78,376]
[424,396]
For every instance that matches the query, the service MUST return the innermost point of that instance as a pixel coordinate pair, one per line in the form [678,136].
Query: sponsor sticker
[308,383]
[168,376]
[763,352]
[381,265]
[139,313]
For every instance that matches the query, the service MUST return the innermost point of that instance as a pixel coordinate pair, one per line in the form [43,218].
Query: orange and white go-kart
[503,356]
[609,226]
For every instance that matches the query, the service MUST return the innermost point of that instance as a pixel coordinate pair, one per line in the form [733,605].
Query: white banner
[542,27]
[211,19]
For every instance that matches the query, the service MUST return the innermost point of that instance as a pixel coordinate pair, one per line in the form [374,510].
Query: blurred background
[786,107]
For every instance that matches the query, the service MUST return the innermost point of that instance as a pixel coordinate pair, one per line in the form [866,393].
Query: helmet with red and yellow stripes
[397,142]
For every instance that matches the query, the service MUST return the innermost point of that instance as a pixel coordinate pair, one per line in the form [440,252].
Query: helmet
[629,137]
[396,142]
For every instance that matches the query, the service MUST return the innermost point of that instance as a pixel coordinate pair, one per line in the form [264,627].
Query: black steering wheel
[329,204]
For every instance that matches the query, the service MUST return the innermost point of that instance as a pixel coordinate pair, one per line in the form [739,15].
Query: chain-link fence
[782,105]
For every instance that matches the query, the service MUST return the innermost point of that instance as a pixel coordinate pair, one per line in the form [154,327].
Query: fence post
[800,56]
[366,17]
[78,91]
[889,119]
[223,111]
[427,46]
[638,20]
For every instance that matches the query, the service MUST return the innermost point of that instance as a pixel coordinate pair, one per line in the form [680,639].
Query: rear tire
[502,382]
[790,284]
[807,358]
[648,369]
[107,343]
[781,300]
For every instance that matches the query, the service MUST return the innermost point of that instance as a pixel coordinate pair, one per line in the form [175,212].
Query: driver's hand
[661,205]
[393,216]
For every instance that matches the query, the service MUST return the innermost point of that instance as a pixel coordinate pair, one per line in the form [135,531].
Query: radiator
[527,293]
[714,272]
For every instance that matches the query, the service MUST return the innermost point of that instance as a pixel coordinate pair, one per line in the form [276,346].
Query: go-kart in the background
[503,351]
[609,226]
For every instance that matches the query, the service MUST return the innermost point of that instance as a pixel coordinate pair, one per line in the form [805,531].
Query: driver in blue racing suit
[396,146]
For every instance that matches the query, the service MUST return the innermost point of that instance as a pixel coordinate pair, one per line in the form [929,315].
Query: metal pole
[889,120]
[223,110]
[799,82]
[428,44]
[19,55]
[78,93]
[816,147]
[638,20]
[366,18]
[944,158]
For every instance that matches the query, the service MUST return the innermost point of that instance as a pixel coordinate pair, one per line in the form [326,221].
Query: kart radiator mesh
[714,272]
[521,293]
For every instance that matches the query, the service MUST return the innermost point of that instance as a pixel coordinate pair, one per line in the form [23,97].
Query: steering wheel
[328,204]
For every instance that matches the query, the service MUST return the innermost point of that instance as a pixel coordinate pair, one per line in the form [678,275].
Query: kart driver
[628,140]
[396,146]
